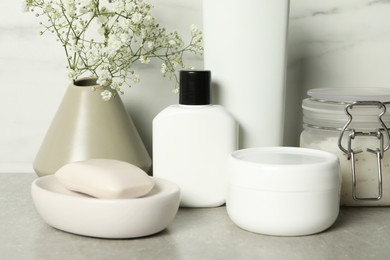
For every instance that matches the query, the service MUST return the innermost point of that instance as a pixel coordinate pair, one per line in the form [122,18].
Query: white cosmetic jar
[283,191]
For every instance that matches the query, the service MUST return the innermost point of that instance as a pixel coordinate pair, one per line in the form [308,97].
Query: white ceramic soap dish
[105,218]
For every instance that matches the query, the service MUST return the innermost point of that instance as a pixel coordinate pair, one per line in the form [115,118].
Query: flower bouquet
[106,39]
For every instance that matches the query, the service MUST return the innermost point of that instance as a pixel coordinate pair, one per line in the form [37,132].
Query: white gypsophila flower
[103,54]
[85,3]
[143,33]
[106,95]
[72,74]
[148,20]
[175,90]
[102,19]
[113,43]
[135,78]
[26,6]
[136,18]
[194,29]
[83,10]
[164,68]
[150,44]
[47,8]
[125,37]
[144,59]
[56,14]
[172,42]
[115,86]
[175,63]
[124,24]
[129,7]
[118,6]
[105,77]
[70,8]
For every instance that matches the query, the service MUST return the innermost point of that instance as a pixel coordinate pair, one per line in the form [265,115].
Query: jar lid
[326,108]
[284,169]
[349,95]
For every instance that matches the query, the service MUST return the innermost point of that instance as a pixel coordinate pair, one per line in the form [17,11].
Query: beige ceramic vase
[86,127]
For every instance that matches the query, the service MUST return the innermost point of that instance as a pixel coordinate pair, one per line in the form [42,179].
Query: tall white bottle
[245,48]
[191,142]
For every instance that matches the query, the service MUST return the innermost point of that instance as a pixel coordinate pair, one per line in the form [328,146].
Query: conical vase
[87,127]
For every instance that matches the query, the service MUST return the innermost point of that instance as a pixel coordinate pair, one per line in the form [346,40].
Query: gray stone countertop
[359,233]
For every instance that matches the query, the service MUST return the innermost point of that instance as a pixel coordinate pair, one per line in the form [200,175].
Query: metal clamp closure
[377,151]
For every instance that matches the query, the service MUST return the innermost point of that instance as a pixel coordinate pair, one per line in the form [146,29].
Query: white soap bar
[105,179]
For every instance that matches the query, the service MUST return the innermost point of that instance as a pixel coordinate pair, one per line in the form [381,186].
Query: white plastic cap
[284,169]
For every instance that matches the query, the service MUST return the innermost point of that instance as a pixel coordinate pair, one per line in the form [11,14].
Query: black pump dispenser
[195,87]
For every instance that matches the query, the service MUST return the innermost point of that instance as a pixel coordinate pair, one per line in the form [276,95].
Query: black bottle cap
[195,87]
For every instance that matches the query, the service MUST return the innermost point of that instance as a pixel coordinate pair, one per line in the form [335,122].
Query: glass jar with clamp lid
[354,124]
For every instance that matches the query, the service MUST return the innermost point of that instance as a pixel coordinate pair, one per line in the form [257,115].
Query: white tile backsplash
[332,43]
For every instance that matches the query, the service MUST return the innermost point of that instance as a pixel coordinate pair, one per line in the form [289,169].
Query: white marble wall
[335,43]
[332,43]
